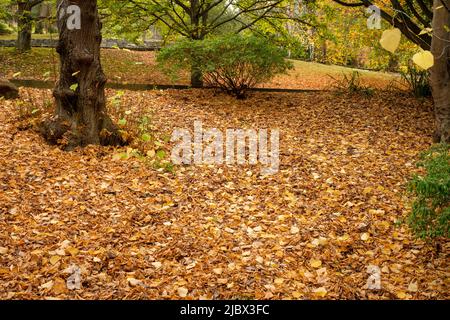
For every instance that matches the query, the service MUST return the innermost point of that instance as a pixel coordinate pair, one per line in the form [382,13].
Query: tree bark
[24,25]
[196,72]
[196,76]
[196,35]
[440,72]
[80,117]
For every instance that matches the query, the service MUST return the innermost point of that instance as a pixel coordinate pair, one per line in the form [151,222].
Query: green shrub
[233,63]
[431,209]
[417,81]
[5,29]
[351,84]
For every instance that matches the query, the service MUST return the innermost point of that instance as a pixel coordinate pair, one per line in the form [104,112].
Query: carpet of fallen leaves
[204,232]
[126,66]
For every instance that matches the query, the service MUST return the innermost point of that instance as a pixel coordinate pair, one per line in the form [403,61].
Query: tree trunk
[24,26]
[196,35]
[196,77]
[440,72]
[196,72]
[80,117]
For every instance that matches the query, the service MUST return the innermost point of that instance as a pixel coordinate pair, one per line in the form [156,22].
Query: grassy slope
[140,67]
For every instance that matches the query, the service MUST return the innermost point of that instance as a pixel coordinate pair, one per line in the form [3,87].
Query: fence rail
[106,44]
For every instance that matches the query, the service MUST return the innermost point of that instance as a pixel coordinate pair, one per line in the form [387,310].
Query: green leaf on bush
[430,216]
[233,63]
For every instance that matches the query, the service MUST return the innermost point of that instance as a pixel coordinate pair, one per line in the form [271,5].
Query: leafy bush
[417,81]
[431,209]
[351,84]
[136,128]
[233,63]
[5,29]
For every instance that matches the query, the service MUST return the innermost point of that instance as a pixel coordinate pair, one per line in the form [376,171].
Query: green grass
[13,36]
[140,67]
[43,64]
[319,68]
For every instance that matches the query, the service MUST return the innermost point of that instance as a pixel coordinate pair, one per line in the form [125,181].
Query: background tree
[25,23]
[26,13]
[416,19]
[80,117]
[196,19]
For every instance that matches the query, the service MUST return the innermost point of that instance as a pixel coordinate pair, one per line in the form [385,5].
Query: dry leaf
[315,263]
[182,292]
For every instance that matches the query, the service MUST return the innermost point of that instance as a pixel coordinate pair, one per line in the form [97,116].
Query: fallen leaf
[321,292]
[182,292]
[413,287]
[315,263]
[47,285]
[54,259]
[294,230]
[365,236]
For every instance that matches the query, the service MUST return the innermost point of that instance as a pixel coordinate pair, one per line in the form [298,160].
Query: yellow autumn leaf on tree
[424,59]
[390,39]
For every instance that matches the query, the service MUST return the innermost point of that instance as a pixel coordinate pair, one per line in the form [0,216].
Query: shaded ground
[309,231]
[140,67]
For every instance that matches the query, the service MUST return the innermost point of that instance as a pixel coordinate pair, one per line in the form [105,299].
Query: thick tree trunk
[440,72]
[196,35]
[196,77]
[24,26]
[80,118]
[196,73]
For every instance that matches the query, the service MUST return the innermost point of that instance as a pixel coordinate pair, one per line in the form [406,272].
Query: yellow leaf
[278,281]
[218,270]
[182,292]
[426,30]
[47,285]
[55,259]
[134,282]
[365,236]
[424,59]
[390,39]
[315,263]
[401,295]
[73,251]
[321,292]
[413,287]
[345,237]
[59,286]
